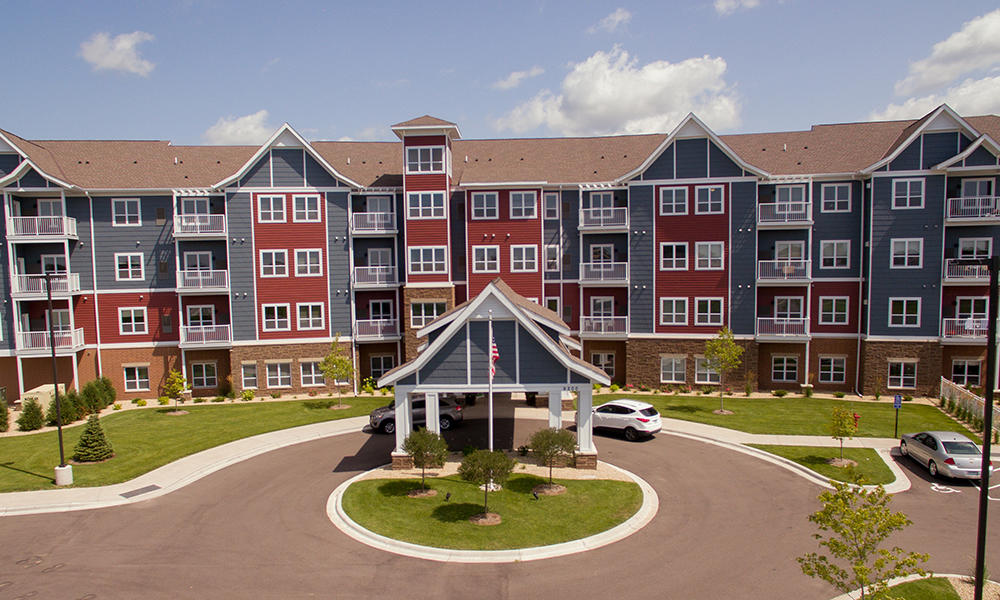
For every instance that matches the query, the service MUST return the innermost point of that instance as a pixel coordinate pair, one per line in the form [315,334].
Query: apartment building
[829,252]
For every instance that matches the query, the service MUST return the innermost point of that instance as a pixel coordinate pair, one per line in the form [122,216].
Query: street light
[64,472]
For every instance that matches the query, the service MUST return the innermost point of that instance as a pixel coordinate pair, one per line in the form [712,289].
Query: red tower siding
[834,288]
[84,315]
[157,304]
[506,232]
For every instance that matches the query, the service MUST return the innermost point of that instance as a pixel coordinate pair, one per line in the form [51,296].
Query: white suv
[636,419]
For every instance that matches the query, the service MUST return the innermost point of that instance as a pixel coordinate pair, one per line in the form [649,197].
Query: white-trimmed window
[904,312]
[136,378]
[279,374]
[270,209]
[422,313]
[604,361]
[275,317]
[309,315]
[553,303]
[203,375]
[708,311]
[523,259]
[486,259]
[427,259]
[274,263]
[248,372]
[200,315]
[551,200]
[907,253]
[902,374]
[708,200]
[306,208]
[132,320]
[309,263]
[129,267]
[908,193]
[522,205]
[485,205]
[965,371]
[672,368]
[833,310]
[425,205]
[972,307]
[428,159]
[788,307]
[836,197]
[125,212]
[790,198]
[58,319]
[673,256]
[785,368]
[53,263]
[703,373]
[673,201]
[835,254]
[708,256]
[381,364]
[311,374]
[832,369]
[977,188]
[974,247]
[552,258]
[673,311]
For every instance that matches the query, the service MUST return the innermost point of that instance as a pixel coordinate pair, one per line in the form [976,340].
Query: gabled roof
[983,140]
[426,124]
[913,131]
[537,311]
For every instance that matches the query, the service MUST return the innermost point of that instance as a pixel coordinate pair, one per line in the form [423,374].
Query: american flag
[494,356]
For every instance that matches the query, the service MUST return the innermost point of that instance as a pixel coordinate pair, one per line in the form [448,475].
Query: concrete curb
[856,594]
[650,506]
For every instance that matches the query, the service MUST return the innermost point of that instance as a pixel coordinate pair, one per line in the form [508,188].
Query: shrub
[66,407]
[807,391]
[163,400]
[4,416]
[94,397]
[907,398]
[942,401]
[483,467]
[219,399]
[838,394]
[749,385]
[79,403]
[522,450]
[275,395]
[318,403]
[136,400]
[140,402]
[116,406]
[107,391]
[199,400]
[246,395]
[951,406]
[427,449]
[614,388]
[597,387]
[878,387]
[706,390]
[93,445]
[996,437]
[226,387]
[551,444]
[468,449]
[368,385]
[779,393]
[31,416]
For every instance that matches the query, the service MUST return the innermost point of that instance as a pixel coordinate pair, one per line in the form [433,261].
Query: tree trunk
[423,471]
[551,461]
[486,497]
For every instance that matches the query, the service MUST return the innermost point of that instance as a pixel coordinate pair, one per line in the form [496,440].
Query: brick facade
[160,359]
[875,366]
[291,353]
[618,347]
[643,361]
[221,360]
[846,347]
[421,294]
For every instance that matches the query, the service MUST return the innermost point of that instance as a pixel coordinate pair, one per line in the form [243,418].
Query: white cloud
[246,130]
[976,46]
[728,7]
[971,97]
[611,93]
[119,53]
[514,79]
[612,22]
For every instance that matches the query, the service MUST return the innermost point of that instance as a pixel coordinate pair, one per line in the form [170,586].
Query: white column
[584,421]
[555,408]
[433,412]
[402,408]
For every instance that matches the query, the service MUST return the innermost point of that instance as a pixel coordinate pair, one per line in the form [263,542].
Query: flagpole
[490,361]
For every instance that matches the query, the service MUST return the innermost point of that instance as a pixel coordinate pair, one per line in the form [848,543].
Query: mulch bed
[176,413]
[341,407]
[485,519]
[420,493]
[842,462]
[89,462]
[549,489]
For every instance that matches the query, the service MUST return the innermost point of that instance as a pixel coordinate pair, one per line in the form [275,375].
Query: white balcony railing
[782,326]
[974,208]
[39,340]
[41,227]
[202,279]
[604,217]
[964,328]
[604,272]
[375,275]
[952,270]
[62,283]
[377,328]
[781,270]
[206,334]
[201,224]
[784,212]
[604,325]
[373,222]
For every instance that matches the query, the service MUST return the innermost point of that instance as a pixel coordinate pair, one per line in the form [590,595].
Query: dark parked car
[384,418]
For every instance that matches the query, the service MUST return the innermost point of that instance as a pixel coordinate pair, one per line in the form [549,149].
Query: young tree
[31,416]
[93,445]
[549,444]
[337,366]
[842,426]
[67,410]
[859,520]
[428,449]
[723,354]
[175,386]
[4,416]
[484,468]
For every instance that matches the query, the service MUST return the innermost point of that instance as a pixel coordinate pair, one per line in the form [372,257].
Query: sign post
[896,403]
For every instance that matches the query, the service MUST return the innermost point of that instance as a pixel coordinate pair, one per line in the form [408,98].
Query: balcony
[206,336]
[616,327]
[376,330]
[965,274]
[604,273]
[784,215]
[199,226]
[28,229]
[203,282]
[37,342]
[33,286]
[973,210]
[782,328]
[375,277]
[604,219]
[783,272]
[968,329]
[373,223]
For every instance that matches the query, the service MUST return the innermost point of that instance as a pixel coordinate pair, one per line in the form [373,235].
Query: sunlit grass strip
[870,466]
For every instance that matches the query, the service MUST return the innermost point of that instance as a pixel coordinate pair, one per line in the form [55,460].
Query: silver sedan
[944,452]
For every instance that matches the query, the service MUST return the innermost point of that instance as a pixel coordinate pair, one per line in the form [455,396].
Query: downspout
[861,289]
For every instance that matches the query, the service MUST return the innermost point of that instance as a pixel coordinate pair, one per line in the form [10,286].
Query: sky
[218,72]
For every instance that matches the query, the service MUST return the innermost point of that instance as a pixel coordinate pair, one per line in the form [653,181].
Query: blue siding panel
[259,174]
[6,308]
[31,179]
[503,333]
[79,251]
[662,167]
[908,159]
[692,158]
[448,365]
[317,175]
[939,147]
[742,256]
[154,241]
[287,166]
[641,259]
[537,363]
[979,157]
[837,226]
[241,267]
[8,162]
[720,164]
[338,257]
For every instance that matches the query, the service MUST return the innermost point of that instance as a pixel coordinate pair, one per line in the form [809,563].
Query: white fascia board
[428,130]
[503,185]
[928,119]
[983,140]
[26,164]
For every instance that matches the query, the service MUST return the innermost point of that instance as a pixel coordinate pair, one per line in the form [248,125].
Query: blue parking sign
[897,401]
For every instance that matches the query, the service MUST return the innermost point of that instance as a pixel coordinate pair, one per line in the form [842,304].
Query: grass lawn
[935,588]
[587,507]
[797,416]
[145,439]
[870,466]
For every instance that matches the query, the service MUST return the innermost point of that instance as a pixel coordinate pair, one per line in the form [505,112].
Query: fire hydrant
[857,418]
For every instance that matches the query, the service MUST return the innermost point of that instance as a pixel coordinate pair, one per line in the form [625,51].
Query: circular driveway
[729,525]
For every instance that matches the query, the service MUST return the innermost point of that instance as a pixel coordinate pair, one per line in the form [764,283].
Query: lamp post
[64,472]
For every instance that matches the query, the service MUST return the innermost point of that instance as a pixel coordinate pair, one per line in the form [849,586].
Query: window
[132,320]
[309,263]
[672,369]
[673,256]
[422,313]
[249,373]
[552,303]
[551,205]
[908,193]
[54,263]
[832,369]
[279,375]
[790,198]
[972,307]
[203,375]
[137,378]
[965,371]
[673,201]
[708,200]
[523,259]
[312,375]
[125,212]
[602,306]
[833,310]
[902,374]
[380,365]
[907,253]
[58,319]
[485,205]
[202,315]
[784,368]
[486,259]
[788,307]
[271,209]
[425,160]
[427,259]
[273,263]
[552,258]
[703,373]
[194,206]
[708,311]
[789,250]
[835,254]
[708,256]
[977,188]
[50,207]
[673,311]
[166,322]
[380,257]
[306,209]
[310,316]
[604,361]
[904,312]
[129,267]
[380,310]
[836,197]
[522,205]
[425,205]
[275,317]
[974,247]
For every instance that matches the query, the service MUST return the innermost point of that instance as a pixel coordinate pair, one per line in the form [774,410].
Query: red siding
[461,294]
[362,298]
[157,304]
[84,315]
[834,288]
[427,182]
[951,293]
[425,140]
[620,295]
[570,298]
[506,232]
[220,302]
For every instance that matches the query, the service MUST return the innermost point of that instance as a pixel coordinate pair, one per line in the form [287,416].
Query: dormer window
[425,160]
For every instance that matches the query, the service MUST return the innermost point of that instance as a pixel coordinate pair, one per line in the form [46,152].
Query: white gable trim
[983,140]
[28,164]
[944,109]
[7,141]
[442,321]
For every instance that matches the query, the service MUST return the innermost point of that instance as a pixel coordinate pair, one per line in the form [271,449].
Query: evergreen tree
[31,416]
[107,391]
[66,406]
[93,445]
[4,416]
